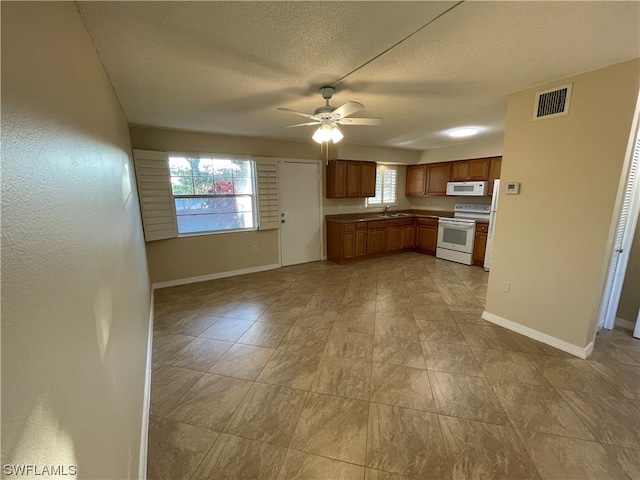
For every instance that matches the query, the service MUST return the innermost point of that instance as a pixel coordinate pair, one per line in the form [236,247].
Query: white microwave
[467,188]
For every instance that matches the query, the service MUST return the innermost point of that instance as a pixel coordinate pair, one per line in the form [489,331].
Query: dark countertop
[365,217]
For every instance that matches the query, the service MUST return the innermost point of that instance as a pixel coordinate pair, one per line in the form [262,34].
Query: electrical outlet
[255,248]
[506,287]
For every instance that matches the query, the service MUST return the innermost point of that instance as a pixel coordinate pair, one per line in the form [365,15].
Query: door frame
[320,202]
[610,298]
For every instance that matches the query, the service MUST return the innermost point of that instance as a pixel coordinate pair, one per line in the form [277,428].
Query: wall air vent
[552,103]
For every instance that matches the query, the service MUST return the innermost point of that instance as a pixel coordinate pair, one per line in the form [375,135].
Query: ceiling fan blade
[303,124]
[295,112]
[346,110]
[359,121]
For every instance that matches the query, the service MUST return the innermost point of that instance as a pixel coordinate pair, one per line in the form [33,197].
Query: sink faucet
[386,210]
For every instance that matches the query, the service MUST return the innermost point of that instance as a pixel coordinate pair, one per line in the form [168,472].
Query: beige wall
[376,154]
[195,256]
[445,203]
[75,293]
[551,241]
[630,297]
[486,148]
[201,255]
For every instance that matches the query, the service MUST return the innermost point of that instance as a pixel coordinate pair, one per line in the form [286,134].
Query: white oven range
[456,235]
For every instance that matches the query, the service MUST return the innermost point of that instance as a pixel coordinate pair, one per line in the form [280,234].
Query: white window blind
[268,204]
[386,186]
[154,190]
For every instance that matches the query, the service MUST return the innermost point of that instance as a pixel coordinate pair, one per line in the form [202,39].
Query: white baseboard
[146,401]
[214,276]
[621,322]
[539,336]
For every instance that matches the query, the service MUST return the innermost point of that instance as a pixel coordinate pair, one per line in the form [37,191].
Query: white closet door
[622,245]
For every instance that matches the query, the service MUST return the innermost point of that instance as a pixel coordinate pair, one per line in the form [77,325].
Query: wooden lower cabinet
[426,235]
[408,234]
[351,241]
[376,240]
[400,234]
[480,243]
[344,241]
[361,239]
[394,238]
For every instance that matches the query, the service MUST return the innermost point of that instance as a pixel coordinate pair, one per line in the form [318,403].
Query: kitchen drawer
[482,227]
[432,222]
[348,227]
[361,225]
[400,222]
[378,224]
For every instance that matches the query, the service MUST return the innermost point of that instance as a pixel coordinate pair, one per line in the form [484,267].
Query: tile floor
[378,370]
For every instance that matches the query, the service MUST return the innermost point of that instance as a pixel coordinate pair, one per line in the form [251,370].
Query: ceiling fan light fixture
[329,117]
[327,132]
[336,135]
[318,135]
[322,134]
[463,132]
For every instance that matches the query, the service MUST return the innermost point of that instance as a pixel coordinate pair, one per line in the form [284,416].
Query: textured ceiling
[224,67]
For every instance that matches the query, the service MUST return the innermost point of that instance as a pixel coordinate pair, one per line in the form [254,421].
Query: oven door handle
[453,223]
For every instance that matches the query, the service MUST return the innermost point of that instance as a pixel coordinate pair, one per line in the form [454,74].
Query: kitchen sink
[398,214]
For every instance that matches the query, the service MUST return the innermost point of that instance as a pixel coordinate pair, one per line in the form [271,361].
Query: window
[386,186]
[213,194]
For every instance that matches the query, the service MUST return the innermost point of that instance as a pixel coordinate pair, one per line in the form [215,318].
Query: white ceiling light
[328,131]
[463,132]
[336,135]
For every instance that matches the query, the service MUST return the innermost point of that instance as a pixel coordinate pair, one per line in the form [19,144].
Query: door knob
[283,221]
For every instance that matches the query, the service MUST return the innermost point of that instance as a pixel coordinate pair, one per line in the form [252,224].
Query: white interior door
[301,230]
[622,245]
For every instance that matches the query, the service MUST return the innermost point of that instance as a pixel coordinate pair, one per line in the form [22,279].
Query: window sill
[216,232]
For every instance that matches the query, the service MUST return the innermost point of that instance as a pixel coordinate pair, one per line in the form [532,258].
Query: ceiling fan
[329,117]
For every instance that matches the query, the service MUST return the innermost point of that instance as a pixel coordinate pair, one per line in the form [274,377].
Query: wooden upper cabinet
[354,179]
[479,169]
[350,178]
[459,171]
[416,180]
[368,179]
[495,165]
[470,170]
[438,175]
[336,179]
